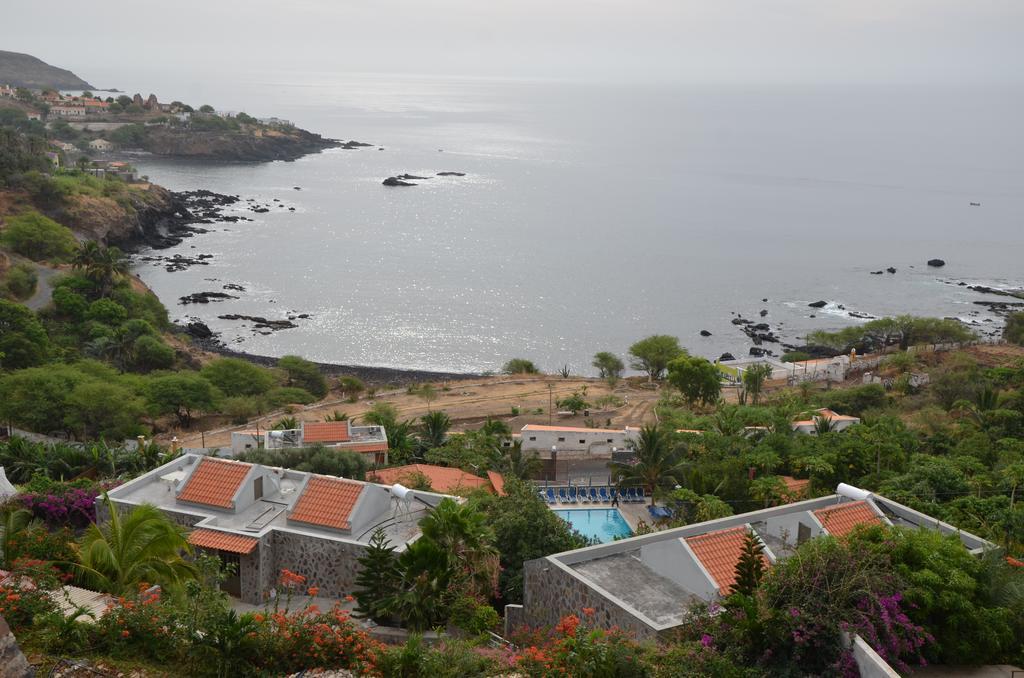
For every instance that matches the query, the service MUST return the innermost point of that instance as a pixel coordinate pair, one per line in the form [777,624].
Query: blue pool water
[604,524]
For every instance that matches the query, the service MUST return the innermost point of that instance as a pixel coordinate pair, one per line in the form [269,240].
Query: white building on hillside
[837,422]
[590,441]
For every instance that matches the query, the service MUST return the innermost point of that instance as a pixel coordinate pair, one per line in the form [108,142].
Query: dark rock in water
[233,286]
[891,269]
[764,312]
[199,330]
[936,263]
[451,174]
[765,300]
[260,210]
[726,356]
[297,188]
[259,322]
[204,298]
[741,321]
[760,327]
[395,181]
[705,333]
[877,272]
[411,177]
[758,352]
[350,145]
[818,304]
[812,316]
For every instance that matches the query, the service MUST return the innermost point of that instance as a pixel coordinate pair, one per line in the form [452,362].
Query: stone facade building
[264,519]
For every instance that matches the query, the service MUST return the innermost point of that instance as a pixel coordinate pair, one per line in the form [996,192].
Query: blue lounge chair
[593,495]
[562,496]
[572,495]
[603,493]
[551,496]
[632,497]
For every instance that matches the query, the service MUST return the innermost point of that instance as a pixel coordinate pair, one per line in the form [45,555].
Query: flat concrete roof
[626,577]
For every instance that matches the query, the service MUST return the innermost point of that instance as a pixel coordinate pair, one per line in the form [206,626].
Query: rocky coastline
[241,146]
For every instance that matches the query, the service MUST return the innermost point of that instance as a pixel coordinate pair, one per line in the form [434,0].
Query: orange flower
[349,599]
[588,612]
[125,633]
[313,591]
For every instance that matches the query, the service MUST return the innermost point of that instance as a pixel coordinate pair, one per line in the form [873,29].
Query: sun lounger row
[591,495]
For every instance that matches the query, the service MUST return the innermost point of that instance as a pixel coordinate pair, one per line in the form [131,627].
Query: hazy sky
[689,40]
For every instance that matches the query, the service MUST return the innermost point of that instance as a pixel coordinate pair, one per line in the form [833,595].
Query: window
[257,488]
[582,441]
[561,440]
[609,440]
[533,437]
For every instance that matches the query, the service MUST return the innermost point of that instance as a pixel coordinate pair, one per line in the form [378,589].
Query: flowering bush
[308,638]
[576,649]
[68,505]
[39,543]
[146,625]
[23,598]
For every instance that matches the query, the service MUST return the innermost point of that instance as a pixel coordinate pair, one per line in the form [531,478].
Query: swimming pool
[603,524]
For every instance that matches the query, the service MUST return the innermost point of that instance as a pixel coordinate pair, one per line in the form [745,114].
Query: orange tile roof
[497,482]
[719,552]
[796,487]
[367,447]
[840,519]
[572,429]
[327,502]
[214,482]
[325,431]
[442,478]
[222,541]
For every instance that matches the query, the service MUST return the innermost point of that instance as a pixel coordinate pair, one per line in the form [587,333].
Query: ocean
[592,215]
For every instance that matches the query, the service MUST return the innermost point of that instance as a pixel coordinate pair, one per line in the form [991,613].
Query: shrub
[236,377]
[303,374]
[150,353]
[20,282]
[796,356]
[63,505]
[520,366]
[37,237]
[107,312]
[288,395]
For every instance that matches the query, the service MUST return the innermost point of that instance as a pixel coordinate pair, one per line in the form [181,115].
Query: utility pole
[551,388]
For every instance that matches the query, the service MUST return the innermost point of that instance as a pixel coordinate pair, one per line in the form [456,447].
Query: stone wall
[331,566]
[550,593]
[12,662]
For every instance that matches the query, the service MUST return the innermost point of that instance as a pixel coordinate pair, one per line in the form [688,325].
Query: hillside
[24,70]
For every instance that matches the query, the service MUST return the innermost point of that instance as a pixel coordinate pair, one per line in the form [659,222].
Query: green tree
[304,374]
[518,464]
[524,529]
[609,366]
[427,393]
[23,341]
[182,395]
[237,377]
[351,387]
[37,237]
[150,353]
[1013,330]
[574,403]
[753,380]
[377,580]
[461,531]
[767,489]
[520,366]
[36,398]
[102,265]
[20,281]
[658,461]
[653,354]
[696,378]
[100,409]
[13,522]
[140,546]
[434,428]
[750,567]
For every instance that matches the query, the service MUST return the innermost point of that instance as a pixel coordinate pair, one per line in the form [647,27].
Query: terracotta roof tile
[327,502]
[214,482]
[796,488]
[325,431]
[497,482]
[442,478]
[367,447]
[840,519]
[222,541]
[719,552]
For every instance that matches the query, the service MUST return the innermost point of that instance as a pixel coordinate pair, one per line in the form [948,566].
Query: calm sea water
[593,215]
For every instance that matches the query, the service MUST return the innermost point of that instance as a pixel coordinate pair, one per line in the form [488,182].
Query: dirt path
[44,287]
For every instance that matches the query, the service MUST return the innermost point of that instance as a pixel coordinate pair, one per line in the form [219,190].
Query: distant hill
[23,70]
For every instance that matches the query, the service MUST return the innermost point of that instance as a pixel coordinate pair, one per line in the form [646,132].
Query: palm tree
[102,265]
[434,429]
[141,546]
[462,532]
[823,424]
[518,464]
[657,462]
[12,523]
